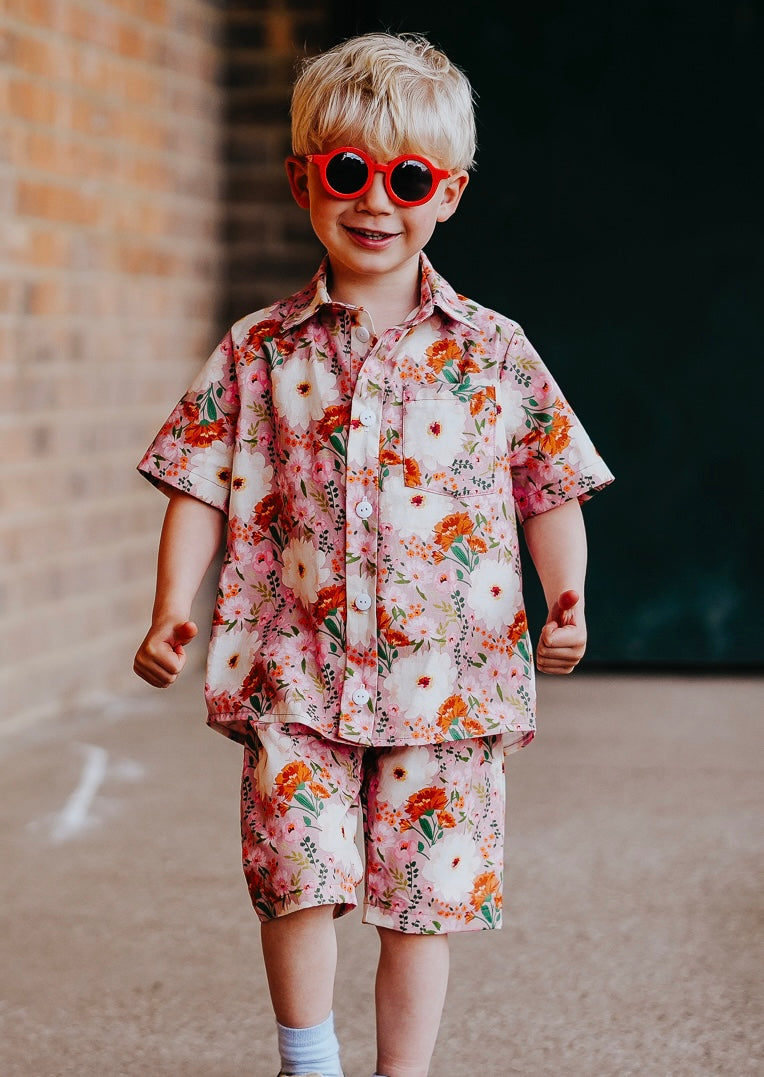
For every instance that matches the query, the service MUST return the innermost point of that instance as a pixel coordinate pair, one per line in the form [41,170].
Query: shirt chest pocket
[449,441]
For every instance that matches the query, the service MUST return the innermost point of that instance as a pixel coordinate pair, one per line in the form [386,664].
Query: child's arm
[191,536]
[556,541]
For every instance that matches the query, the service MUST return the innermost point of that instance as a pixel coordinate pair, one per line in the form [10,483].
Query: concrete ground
[633,897]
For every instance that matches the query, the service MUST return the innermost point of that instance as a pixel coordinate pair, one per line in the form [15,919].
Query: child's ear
[451,194]
[297,173]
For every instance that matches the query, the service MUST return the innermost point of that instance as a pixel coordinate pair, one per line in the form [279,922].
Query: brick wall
[143,206]
[109,268]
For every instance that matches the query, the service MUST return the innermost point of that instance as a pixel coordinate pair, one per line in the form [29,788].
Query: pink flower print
[294,829]
[545,473]
[264,560]
[323,469]
[421,628]
[299,466]
[405,849]
[537,500]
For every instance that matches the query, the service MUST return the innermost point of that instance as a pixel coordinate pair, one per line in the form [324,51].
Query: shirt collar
[435,292]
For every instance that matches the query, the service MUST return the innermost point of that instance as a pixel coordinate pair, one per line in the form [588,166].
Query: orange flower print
[328,599]
[442,352]
[289,780]
[452,527]
[201,435]
[468,365]
[392,635]
[266,330]
[558,437]
[451,710]
[266,511]
[255,683]
[413,476]
[418,804]
[519,627]
[486,886]
[477,402]
[389,458]
[336,417]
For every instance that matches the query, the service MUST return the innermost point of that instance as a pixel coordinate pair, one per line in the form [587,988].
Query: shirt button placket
[361,543]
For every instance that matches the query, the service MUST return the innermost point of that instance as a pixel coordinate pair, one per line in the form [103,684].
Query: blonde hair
[392,94]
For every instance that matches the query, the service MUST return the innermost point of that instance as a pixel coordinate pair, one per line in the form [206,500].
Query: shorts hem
[276,912]
[430,925]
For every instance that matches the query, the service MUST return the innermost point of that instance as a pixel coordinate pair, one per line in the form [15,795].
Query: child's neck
[388,299]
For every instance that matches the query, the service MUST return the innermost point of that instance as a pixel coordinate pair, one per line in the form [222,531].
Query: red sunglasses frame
[321,160]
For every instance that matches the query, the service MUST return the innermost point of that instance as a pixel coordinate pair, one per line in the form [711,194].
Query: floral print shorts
[433,826]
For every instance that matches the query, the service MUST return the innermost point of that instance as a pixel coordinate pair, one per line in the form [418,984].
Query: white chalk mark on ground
[73,817]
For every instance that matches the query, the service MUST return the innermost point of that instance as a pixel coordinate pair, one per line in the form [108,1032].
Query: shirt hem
[242,730]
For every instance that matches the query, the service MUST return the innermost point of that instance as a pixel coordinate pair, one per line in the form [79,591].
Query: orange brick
[153,11]
[56,202]
[31,101]
[41,59]
[34,12]
[65,155]
[92,25]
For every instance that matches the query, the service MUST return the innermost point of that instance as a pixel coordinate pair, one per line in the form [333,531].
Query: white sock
[307,1050]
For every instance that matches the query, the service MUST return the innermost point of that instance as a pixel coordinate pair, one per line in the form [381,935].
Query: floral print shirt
[373,485]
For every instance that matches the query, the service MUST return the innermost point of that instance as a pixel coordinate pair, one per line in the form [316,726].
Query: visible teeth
[372,235]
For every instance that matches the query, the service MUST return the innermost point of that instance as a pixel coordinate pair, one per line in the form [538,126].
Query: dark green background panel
[616,214]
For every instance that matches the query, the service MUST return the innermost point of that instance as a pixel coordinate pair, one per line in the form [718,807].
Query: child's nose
[376,199]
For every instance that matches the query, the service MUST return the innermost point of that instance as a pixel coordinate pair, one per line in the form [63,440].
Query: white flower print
[302,390]
[512,413]
[278,750]
[433,432]
[580,452]
[416,511]
[305,570]
[250,485]
[402,773]
[453,865]
[213,462]
[216,366]
[418,683]
[230,658]
[494,593]
[337,834]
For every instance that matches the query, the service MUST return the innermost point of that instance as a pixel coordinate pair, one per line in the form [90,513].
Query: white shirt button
[360,696]
[362,602]
[364,509]
[366,417]
[363,334]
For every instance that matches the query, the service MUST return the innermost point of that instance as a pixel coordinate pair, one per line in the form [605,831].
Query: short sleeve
[193,451]
[551,456]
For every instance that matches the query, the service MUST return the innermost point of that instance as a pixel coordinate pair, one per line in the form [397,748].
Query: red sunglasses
[410,180]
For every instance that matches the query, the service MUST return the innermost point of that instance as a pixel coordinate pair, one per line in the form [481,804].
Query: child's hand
[161,657]
[563,638]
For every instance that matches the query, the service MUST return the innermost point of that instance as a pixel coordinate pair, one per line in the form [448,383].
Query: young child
[367,447]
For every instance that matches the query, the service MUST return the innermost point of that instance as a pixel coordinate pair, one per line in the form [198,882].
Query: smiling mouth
[368,233]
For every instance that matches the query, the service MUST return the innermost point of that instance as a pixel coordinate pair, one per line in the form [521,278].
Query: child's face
[371,236]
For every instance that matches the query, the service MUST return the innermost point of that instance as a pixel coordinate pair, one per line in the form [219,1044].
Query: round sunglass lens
[346,173]
[411,180]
